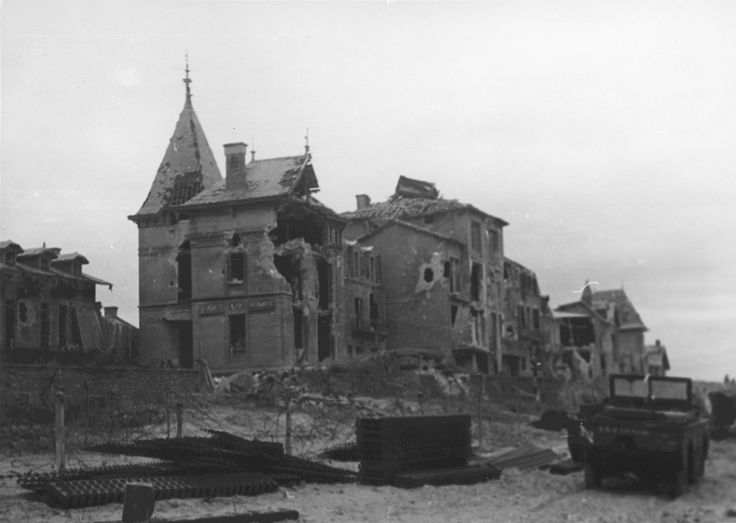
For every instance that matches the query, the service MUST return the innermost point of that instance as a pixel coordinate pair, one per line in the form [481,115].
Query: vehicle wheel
[592,476]
[677,484]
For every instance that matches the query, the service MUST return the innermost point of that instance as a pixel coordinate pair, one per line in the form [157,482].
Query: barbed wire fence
[307,411]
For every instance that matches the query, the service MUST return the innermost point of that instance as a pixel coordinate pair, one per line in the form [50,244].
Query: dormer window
[10,259]
[44,263]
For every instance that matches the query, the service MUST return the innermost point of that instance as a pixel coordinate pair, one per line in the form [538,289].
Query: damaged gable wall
[418,303]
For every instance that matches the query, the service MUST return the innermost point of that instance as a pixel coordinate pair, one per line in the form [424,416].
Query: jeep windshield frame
[658,392]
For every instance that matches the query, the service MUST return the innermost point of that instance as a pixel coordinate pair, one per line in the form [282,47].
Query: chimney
[111,312]
[235,164]
[363,201]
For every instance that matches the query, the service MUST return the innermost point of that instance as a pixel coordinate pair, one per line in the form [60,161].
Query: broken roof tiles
[413,198]
[268,178]
[628,316]
[188,166]
[411,188]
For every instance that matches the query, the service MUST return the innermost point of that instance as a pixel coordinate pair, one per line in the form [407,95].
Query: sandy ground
[529,496]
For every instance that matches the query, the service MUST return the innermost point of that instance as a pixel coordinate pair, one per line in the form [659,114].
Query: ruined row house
[48,310]
[247,271]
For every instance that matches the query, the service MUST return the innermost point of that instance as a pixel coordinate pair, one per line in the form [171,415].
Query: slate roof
[27,253]
[188,166]
[70,256]
[267,178]
[6,244]
[628,316]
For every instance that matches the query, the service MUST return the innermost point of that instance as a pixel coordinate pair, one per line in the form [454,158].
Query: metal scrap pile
[414,451]
[219,465]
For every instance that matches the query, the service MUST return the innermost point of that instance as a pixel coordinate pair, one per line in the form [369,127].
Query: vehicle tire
[677,484]
[593,476]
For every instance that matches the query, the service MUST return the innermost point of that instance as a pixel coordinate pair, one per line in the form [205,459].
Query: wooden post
[86,411]
[138,503]
[59,438]
[168,419]
[287,442]
[179,419]
[480,414]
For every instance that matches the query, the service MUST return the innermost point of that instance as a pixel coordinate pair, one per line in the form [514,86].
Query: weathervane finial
[306,142]
[186,79]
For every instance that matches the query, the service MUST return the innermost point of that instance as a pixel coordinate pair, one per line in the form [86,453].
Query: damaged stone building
[48,308]
[601,334]
[443,272]
[246,271]
[525,340]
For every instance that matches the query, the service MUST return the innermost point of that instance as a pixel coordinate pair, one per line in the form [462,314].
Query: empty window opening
[9,323]
[475,236]
[184,272]
[428,275]
[237,266]
[454,275]
[373,310]
[324,278]
[324,331]
[521,316]
[356,264]
[298,339]
[453,314]
[44,325]
[62,325]
[76,333]
[358,310]
[537,323]
[476,277]
[446,270]
[494,242]
[237,333]
[22,312]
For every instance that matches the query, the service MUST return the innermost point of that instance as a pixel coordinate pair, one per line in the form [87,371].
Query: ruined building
[443,272]
[602,333]
[48,308]
[246,271]
[525,338]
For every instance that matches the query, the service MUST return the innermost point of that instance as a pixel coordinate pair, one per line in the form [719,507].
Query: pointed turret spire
[188,166]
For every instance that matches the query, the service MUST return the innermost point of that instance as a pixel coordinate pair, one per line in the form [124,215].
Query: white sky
[604,132]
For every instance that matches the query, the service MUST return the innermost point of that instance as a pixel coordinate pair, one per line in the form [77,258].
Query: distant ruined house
[656,362]
[605,330]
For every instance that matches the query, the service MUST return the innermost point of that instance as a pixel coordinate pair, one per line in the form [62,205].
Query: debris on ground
[221,464]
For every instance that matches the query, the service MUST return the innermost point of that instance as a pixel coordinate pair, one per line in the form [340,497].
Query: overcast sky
[603,132]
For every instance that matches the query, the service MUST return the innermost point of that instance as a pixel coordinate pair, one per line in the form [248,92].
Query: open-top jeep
[648,427]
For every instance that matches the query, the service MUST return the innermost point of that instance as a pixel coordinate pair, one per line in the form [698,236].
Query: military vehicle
[650,427]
